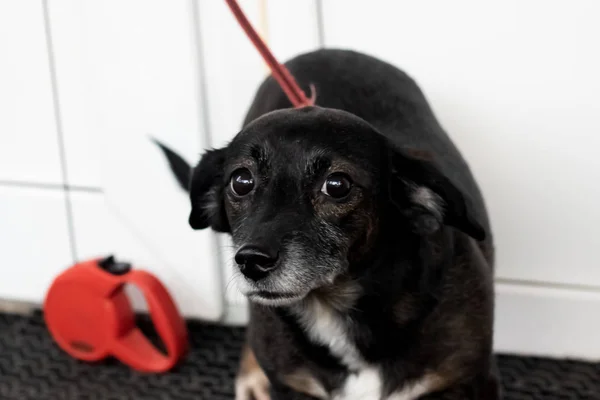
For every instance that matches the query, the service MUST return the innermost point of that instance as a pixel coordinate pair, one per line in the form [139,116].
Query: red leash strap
[281,74]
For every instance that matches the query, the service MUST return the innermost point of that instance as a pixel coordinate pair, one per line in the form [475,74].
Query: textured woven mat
[33,368]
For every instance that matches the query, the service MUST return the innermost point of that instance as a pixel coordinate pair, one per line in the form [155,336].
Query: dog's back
[390,100]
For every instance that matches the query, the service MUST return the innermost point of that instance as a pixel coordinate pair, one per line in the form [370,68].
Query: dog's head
[304,193]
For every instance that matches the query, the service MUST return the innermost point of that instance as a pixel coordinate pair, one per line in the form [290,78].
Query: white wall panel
[547,321]
[233,68]
[79,114]
[29,149]
[292,27]
[516,85]
[137,75]
[126,69]
[34,241]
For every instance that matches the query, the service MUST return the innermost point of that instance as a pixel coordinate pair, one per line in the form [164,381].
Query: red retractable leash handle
[281,74]
[90,317]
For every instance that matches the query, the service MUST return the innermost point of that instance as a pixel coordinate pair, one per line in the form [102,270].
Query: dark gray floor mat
[33,368]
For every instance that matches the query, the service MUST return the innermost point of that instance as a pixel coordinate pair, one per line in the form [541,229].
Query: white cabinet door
[129,71]
[34,241]
[29,145]
[233,68]
[80,119]
[516,85]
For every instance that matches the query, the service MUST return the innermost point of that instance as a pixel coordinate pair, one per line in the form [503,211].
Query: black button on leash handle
[110,265]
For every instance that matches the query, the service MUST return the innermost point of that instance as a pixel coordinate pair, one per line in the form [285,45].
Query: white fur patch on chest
[413,390]
[326,326]
[364,385]
[368,385]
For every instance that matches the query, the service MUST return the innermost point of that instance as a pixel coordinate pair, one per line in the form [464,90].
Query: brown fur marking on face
[367,219]
[328,209]
[360,181]
[331,210]
[303,381]
[356,209]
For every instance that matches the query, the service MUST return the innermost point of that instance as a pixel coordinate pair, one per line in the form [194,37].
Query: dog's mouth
[274,298]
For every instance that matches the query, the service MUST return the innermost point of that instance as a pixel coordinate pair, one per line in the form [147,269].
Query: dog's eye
[242,182]
[337,185]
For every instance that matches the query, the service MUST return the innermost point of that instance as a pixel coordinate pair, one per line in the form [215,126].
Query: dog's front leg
[479,389]
[284,392]
[251,382]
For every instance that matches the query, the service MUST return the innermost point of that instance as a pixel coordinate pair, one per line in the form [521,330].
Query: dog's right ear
[428,197]
[207,191]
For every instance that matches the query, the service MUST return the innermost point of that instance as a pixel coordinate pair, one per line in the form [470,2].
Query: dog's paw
[252,385]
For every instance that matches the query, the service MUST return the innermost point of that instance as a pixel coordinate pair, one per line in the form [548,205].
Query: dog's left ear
[428,198]
[206,193]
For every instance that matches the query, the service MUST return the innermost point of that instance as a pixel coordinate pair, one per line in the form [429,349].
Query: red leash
[281,74]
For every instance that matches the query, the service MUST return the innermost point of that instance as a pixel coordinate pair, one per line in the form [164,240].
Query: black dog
[363,242]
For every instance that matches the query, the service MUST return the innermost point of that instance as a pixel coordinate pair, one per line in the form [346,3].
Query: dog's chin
[275,299]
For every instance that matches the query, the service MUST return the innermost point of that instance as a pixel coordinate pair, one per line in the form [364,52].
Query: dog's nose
[255,262]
